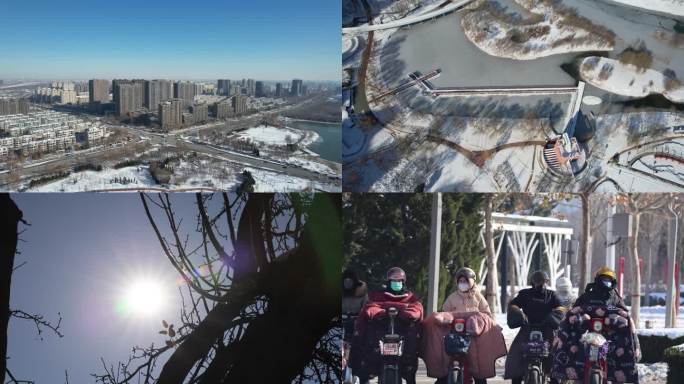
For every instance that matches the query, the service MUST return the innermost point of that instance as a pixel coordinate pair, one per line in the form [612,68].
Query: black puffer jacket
[534,306]
[595,294]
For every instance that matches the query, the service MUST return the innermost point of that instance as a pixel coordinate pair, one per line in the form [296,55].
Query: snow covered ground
[278,136]
[529,39]
[626,79]
[670,7]
[128,177]
[187,176]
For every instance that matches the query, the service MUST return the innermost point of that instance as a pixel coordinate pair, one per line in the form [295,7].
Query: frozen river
[442,44]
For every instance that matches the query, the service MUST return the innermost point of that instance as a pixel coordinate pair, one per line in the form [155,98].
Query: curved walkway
[407,20]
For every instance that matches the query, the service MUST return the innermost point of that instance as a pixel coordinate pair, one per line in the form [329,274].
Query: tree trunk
[302,291]
[10,215]
[584,259]
[492,287]
[636,272]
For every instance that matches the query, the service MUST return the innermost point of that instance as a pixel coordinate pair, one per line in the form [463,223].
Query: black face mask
[539,288]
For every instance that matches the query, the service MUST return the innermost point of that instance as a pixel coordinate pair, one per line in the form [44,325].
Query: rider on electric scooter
[371,326]
[465,304]
[536,307]
[600,301]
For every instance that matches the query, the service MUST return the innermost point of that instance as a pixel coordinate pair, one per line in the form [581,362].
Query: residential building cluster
[60,93]
[14,106]
[45,131]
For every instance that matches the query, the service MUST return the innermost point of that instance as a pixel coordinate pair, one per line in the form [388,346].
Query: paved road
[422,378]
[174,140]
[407,20]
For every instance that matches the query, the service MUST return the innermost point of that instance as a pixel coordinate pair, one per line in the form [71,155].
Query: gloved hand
[515,317]
[554,318]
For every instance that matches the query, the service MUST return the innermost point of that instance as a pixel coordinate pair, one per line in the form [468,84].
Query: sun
[143,297]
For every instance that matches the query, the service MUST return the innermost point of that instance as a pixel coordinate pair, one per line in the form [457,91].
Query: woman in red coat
[372,325]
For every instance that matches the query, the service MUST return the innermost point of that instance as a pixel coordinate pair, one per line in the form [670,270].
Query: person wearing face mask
[600,298]
[486,340]
[537,306]
[564,292]
[372,322]
[602,291]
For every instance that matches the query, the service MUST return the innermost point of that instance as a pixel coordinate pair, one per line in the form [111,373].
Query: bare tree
[637,205]
[266,308]
[585,249]
[492,287]
[10,217]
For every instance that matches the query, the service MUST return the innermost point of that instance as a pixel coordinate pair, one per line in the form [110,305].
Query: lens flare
[144,298]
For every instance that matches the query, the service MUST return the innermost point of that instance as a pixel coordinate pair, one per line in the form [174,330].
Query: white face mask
[463,287]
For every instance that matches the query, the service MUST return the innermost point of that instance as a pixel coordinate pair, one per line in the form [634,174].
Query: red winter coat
[373,323]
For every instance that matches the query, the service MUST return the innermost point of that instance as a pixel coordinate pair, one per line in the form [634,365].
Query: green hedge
[653,347]
[674,357]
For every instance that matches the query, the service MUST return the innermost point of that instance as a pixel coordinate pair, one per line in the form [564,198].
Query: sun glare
[144,297]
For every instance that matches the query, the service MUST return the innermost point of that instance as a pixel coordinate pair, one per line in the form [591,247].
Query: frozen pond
[442,44]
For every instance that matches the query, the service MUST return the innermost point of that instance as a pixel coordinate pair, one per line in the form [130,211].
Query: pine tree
[382,231]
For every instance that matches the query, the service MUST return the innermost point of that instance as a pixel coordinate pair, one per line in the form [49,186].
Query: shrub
[653,347]
[88,167]
[674,357]
[606,71]
[127,163]
[590,64]
[637,55]
[670,80]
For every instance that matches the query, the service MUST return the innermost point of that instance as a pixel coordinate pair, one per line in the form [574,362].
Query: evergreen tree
[386,230]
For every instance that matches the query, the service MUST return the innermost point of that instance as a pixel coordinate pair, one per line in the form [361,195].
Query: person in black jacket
[537,307]
[602,291]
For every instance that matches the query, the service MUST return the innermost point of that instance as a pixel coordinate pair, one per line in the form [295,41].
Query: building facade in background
[184,90]
[171,114]
[98,91]
[296,89]
[156,92]
[239,104]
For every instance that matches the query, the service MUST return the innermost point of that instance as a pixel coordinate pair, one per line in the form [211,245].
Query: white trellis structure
[522,234]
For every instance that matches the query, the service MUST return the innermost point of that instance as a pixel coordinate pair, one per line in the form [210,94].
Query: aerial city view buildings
[122,110]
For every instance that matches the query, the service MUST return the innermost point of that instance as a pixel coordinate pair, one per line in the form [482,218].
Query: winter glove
[554,318]
[515,317]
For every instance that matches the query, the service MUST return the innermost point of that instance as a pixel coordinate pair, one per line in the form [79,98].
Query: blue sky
[82,251]
[262,39]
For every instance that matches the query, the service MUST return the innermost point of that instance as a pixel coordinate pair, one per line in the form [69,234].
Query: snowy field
[279,136]
[627,80]
[550,36]
[128,177]
[187,176]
